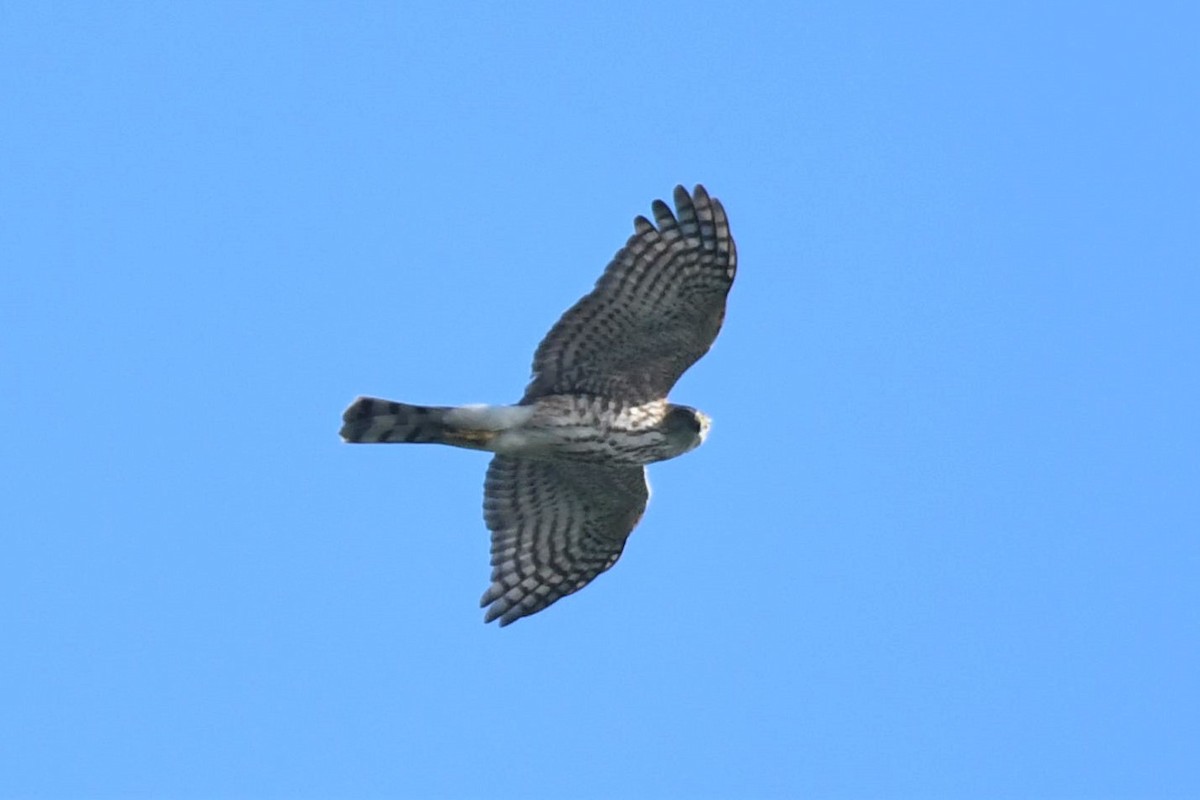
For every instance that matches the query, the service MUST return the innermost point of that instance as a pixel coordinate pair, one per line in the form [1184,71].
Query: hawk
[567,484]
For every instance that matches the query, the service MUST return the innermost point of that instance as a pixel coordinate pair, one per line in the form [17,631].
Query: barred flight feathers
[555,526]
[654,312]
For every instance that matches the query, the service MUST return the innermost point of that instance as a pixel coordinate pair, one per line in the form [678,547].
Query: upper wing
[555,526]
[656,309]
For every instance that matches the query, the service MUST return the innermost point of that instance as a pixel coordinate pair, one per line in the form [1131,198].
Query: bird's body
[571,427]
[567,484]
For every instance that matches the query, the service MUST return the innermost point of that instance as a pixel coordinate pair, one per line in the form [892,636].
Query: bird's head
[686,427]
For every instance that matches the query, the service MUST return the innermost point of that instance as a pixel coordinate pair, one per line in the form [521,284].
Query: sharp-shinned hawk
[567,484]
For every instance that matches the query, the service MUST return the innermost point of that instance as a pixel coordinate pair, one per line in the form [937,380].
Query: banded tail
[369,420]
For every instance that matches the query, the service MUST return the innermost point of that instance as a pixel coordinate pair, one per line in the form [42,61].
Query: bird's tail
[369,419]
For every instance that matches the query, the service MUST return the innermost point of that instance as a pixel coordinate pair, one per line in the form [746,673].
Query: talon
[472,437]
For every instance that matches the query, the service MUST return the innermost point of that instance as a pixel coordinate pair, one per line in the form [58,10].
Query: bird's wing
[555,526]
[656,309]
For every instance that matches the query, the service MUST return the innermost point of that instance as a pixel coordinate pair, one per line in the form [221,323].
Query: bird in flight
[567,484]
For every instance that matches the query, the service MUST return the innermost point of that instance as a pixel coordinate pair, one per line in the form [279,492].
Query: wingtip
[683,197]
[663,214]
[501,616]
[642,225]
[698,199]
[488,601]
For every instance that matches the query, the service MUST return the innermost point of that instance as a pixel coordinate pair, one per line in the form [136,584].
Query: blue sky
[944,539]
